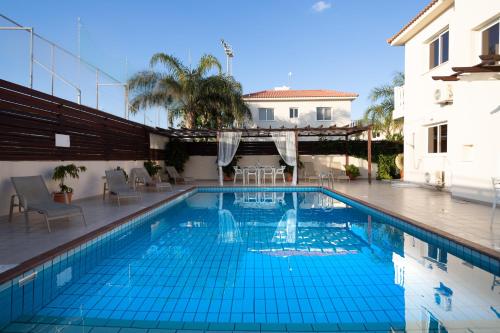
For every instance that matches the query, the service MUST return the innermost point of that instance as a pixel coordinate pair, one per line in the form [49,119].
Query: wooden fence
[29,121]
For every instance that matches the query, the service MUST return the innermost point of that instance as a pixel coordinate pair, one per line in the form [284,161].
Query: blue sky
[337,44]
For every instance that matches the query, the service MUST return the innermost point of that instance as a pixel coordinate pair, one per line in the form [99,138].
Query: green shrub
[152,168]
[357,148]
[352,171]
[176,154]
[387,167]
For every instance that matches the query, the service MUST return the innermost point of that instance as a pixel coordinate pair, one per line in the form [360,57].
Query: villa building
[451,98]
[291,108]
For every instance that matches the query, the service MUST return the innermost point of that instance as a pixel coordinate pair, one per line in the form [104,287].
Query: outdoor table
[259,170]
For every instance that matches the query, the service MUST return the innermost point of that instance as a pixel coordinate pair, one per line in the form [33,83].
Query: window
[323,113]
[266,114]
[294,112]
[490,39]
[438,139]
[439,50]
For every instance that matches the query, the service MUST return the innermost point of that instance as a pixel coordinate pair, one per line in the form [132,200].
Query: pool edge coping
[39,259]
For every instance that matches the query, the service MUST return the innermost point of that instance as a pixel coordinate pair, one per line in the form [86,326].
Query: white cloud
[321,6]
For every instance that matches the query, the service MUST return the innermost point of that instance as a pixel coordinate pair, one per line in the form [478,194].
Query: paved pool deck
[434,209]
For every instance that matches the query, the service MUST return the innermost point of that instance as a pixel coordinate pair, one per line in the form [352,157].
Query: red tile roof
[299,94]
[422,12]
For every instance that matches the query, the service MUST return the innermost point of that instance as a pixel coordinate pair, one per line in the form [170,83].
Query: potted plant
[352,171]
[60,174]
[289,169]
[152,168]
[228,170]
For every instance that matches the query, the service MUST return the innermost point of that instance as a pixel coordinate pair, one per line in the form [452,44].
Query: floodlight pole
[228,50]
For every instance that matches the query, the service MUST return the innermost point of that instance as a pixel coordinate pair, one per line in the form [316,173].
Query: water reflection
[289,257]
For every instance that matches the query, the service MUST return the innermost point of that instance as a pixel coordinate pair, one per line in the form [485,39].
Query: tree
[193,95]
[380,112]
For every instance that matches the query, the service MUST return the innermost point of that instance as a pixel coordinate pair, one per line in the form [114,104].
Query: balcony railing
[399,102]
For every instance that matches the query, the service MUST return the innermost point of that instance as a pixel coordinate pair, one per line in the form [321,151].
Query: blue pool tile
[210,273]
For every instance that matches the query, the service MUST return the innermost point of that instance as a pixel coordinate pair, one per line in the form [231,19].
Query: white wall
[341,110]
[205,168]
[472,119]
[89,184]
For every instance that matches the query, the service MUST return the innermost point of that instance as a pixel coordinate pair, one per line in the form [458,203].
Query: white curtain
[285,142]
[286,231]
[228,144]
[229,230]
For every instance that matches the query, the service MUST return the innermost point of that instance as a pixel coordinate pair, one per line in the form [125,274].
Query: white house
[451,98]
[290,108]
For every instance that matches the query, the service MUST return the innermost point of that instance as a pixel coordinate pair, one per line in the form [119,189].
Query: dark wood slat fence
[29,120]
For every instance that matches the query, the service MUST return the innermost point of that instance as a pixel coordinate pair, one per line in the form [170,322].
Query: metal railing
[47,60]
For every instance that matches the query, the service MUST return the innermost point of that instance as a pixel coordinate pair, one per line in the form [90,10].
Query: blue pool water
[304,260]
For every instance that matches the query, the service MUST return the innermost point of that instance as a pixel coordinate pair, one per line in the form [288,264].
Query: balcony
[399,102]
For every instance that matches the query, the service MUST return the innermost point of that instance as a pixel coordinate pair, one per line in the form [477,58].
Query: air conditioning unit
[443,94]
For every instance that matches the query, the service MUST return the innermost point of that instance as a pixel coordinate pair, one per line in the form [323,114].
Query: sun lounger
[173,174]
[141,175]
[34,196]
[119,187]
[339,173]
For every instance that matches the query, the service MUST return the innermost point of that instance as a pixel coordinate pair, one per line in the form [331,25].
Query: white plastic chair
[268,172]
[252,171]
[280,172]
[238,172]
[495,181]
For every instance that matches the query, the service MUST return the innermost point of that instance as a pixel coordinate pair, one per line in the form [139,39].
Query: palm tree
[194,95]
[380,113]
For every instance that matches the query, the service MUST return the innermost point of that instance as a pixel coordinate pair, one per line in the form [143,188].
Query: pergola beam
[263,132]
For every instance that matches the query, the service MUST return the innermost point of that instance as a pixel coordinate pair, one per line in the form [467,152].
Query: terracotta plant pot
[228,178]
[59,197]
[288,177]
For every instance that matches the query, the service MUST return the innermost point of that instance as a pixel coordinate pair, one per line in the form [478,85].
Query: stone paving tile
[18,245]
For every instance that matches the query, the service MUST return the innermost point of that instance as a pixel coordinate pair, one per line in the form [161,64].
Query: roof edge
[428,14]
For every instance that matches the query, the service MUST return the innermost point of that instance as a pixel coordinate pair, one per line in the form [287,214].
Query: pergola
[259,132]
[488,64]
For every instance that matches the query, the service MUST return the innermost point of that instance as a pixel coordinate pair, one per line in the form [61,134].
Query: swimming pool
[267,259]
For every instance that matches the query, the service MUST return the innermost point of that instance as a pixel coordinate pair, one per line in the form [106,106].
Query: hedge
[357,148]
